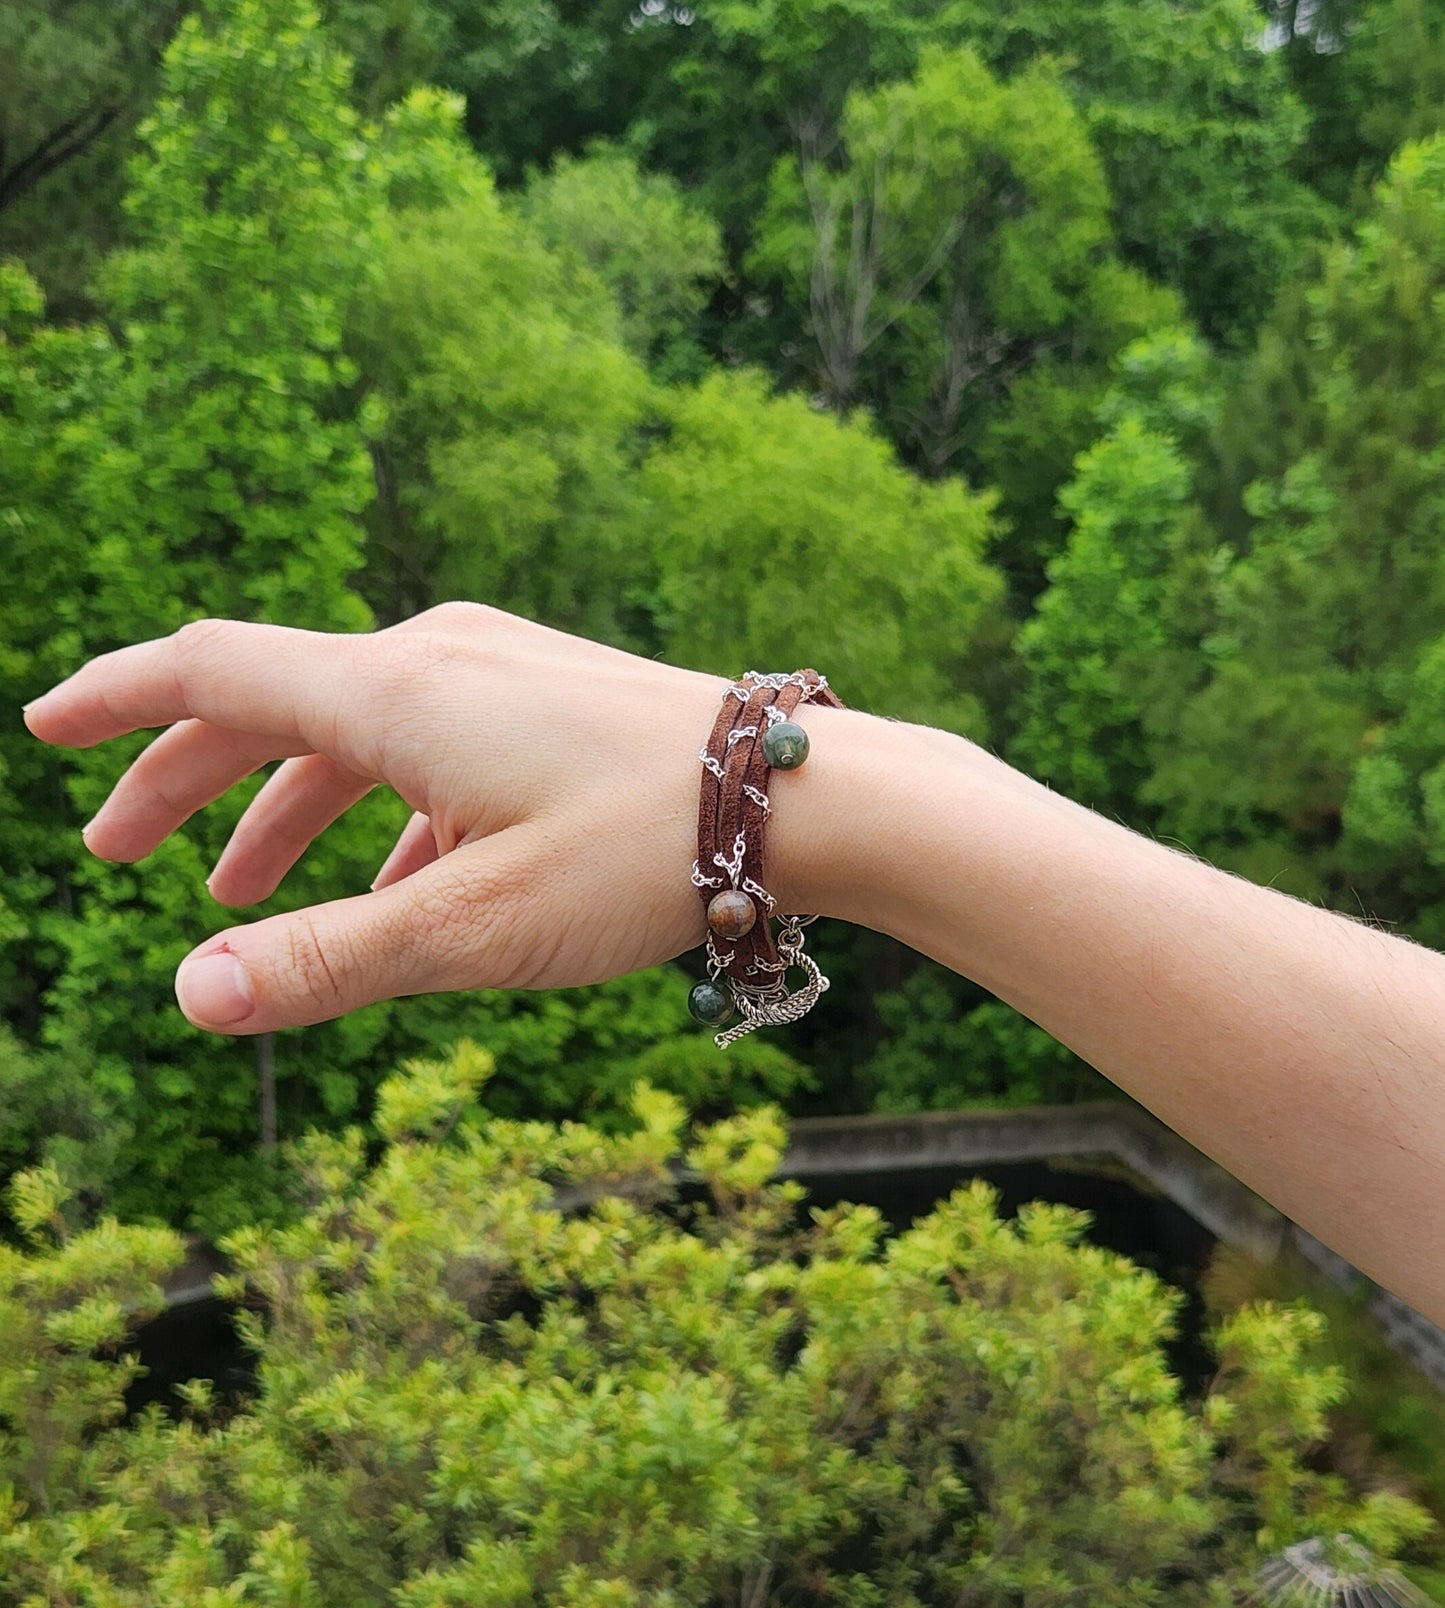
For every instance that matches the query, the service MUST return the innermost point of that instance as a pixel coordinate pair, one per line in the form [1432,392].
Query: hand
[554,781]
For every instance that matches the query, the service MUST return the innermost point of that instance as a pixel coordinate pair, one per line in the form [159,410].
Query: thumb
[427,934]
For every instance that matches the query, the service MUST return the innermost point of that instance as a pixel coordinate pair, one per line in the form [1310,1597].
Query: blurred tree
[841,558]
[537,76]
[511,409]
[1109,643]
[1371,73]
[947,1045]
[658,253]
[75,78]
[466,1396]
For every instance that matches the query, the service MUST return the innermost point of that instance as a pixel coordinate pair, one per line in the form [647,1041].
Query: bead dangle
[747,968]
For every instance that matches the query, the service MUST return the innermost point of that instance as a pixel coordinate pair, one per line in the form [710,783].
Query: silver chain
[774,1006]
[762,1004]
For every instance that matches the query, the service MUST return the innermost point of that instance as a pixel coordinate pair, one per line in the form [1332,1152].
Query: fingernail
[214,990]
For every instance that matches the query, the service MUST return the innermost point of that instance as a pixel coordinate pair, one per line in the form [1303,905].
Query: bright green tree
[205,458]
[511,409]
[948,236]
[952,245]
[658,253]
[493,1371]
[835,554]
[1109,640]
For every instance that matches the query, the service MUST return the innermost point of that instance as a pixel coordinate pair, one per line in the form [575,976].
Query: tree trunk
[266,1081]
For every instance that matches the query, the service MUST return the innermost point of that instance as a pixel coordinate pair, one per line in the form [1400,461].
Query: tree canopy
[1067,375]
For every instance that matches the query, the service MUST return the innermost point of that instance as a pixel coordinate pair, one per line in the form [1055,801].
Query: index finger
[270,680]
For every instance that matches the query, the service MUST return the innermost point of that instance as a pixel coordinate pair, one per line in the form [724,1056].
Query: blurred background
[1066,373]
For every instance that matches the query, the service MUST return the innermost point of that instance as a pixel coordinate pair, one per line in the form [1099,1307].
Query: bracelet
[747,968]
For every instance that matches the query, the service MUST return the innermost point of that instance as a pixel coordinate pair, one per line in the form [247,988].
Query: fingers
[182,771]
[266,680]
[454,924]
[415,848]
[290,812]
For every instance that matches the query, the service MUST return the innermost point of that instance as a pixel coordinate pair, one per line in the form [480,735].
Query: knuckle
[459,615]
[197,639]
[418,658]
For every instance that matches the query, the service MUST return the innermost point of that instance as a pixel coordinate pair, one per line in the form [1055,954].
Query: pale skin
[554,783]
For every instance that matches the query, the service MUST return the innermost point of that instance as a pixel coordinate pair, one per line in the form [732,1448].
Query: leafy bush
[499,1364]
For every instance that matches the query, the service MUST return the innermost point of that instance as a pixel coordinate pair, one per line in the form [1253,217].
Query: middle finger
[187,767]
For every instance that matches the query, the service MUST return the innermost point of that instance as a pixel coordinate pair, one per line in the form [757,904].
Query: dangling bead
[731,914]
[710,1003]
[785,745]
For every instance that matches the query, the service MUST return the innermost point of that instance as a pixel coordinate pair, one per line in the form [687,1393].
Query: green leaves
[955,234]
[206,457]
[658,254]
[761,507]
[509,403]
[1108,630]
[466,1395]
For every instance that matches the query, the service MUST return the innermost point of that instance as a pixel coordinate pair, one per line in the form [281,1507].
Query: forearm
[1303,1051]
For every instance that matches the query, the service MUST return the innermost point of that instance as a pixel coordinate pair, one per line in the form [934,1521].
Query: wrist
[904,829]
[838,822]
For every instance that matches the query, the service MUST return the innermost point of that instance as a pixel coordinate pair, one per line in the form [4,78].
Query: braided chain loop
[735,804]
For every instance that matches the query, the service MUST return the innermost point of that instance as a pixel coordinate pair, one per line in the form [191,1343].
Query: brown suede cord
[732,804]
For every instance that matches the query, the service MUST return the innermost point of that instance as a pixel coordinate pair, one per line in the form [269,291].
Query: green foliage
[1322,620]
[579,1052]
[1196,128]
[339,374]
[75,78]
[1389,1433]
[492,1369]
[1371,73]
[659,254]
[944,1052]
[162,472]
[67,1304]
[510,404]
[944,240]
[1106,642]
[850,562]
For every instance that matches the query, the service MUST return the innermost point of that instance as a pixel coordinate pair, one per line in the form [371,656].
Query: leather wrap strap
[734,802]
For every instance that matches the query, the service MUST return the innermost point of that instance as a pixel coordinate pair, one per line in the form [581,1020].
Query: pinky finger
[415,848]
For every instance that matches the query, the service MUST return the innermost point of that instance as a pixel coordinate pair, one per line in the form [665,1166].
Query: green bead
[710,1003]
[785,745]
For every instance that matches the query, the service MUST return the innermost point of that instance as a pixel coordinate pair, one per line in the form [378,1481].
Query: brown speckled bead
[731,914]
